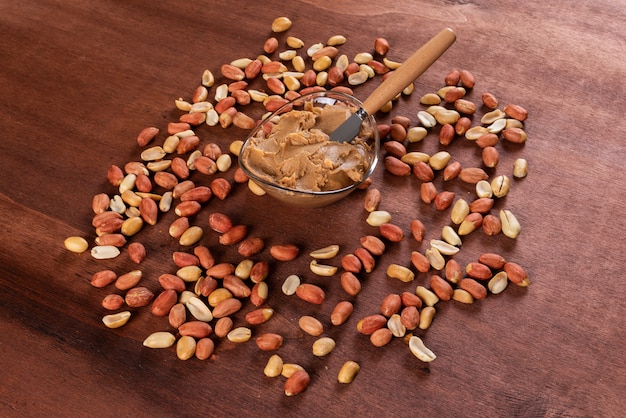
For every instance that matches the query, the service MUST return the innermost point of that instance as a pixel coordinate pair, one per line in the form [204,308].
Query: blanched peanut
[76,244]
[401,273]
[419,350]
[323,346]
[520,168]
[348,372]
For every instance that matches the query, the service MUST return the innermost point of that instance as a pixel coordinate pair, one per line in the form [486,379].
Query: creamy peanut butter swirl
[298,153]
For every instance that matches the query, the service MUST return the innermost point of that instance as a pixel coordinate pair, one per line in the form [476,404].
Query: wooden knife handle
[410,69]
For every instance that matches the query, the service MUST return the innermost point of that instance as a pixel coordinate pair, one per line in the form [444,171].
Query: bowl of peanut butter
[291,156]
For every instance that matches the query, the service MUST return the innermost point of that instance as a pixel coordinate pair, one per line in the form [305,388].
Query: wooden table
[81,79]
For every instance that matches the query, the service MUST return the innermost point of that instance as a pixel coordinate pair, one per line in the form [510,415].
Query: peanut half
[419,350]
[160,339]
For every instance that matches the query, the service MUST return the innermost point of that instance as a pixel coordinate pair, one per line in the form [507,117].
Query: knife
[410,69]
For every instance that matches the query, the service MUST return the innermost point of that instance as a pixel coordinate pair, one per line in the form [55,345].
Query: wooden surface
[79,80]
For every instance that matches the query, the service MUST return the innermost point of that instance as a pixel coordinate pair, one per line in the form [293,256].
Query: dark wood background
[80,79]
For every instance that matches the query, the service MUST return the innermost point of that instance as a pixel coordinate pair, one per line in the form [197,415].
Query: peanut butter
[299,154]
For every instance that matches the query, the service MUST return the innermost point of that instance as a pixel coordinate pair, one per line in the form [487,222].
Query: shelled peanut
[172,165]
[200,296]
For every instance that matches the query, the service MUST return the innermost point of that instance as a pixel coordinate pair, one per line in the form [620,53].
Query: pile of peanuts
[202,298]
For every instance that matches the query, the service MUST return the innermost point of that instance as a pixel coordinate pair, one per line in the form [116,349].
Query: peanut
[426,317]
[177,315]
[401,273]
[297,383]
[381,337]
[489,100]
[510,225]
[137,297]
[474,288]
[391,304]
[322,269]
[196,329]
[378,218]
[498,282]
[520,168]
[99,252]
[427,296]
[366,259]
[164,302]
[274,366]
[477,270]
[515,135]
[416,134]
[311,325]
[185,347]
[239,335]
[483,189]
[326,252]
[341,312]
[236,286]
[371,323]
[159,339]
[440,287]
[500,186]
[391,232]
[449,235]
[223,326]
[218,295]
[289,369]
[396,166]
[453,271]
[470,223]
[323,346]
[516,274]
[76,244]
[116,320]
[492,260]
[423,171]
[516,112]
[463,296]
[112,302]
[290,284]
[491,225]
[373,244]
[128,280]
[259,316]
[204,348]
[226,307]
[473,175]
[259,293]
[348,372]
[147,135]
[435,258]
[197,307]
[420,261]
[311,293]
[419,350]
[284,252]
[395,325]
[410,317]
[269,341]
[351,263]
[443,200]
[350,283]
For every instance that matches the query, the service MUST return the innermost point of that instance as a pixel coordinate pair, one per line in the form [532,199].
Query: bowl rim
[311,193]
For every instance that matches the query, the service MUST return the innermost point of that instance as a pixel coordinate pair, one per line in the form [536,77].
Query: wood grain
[79,80]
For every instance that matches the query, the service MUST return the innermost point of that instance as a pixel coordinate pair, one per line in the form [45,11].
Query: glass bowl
[290,156]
